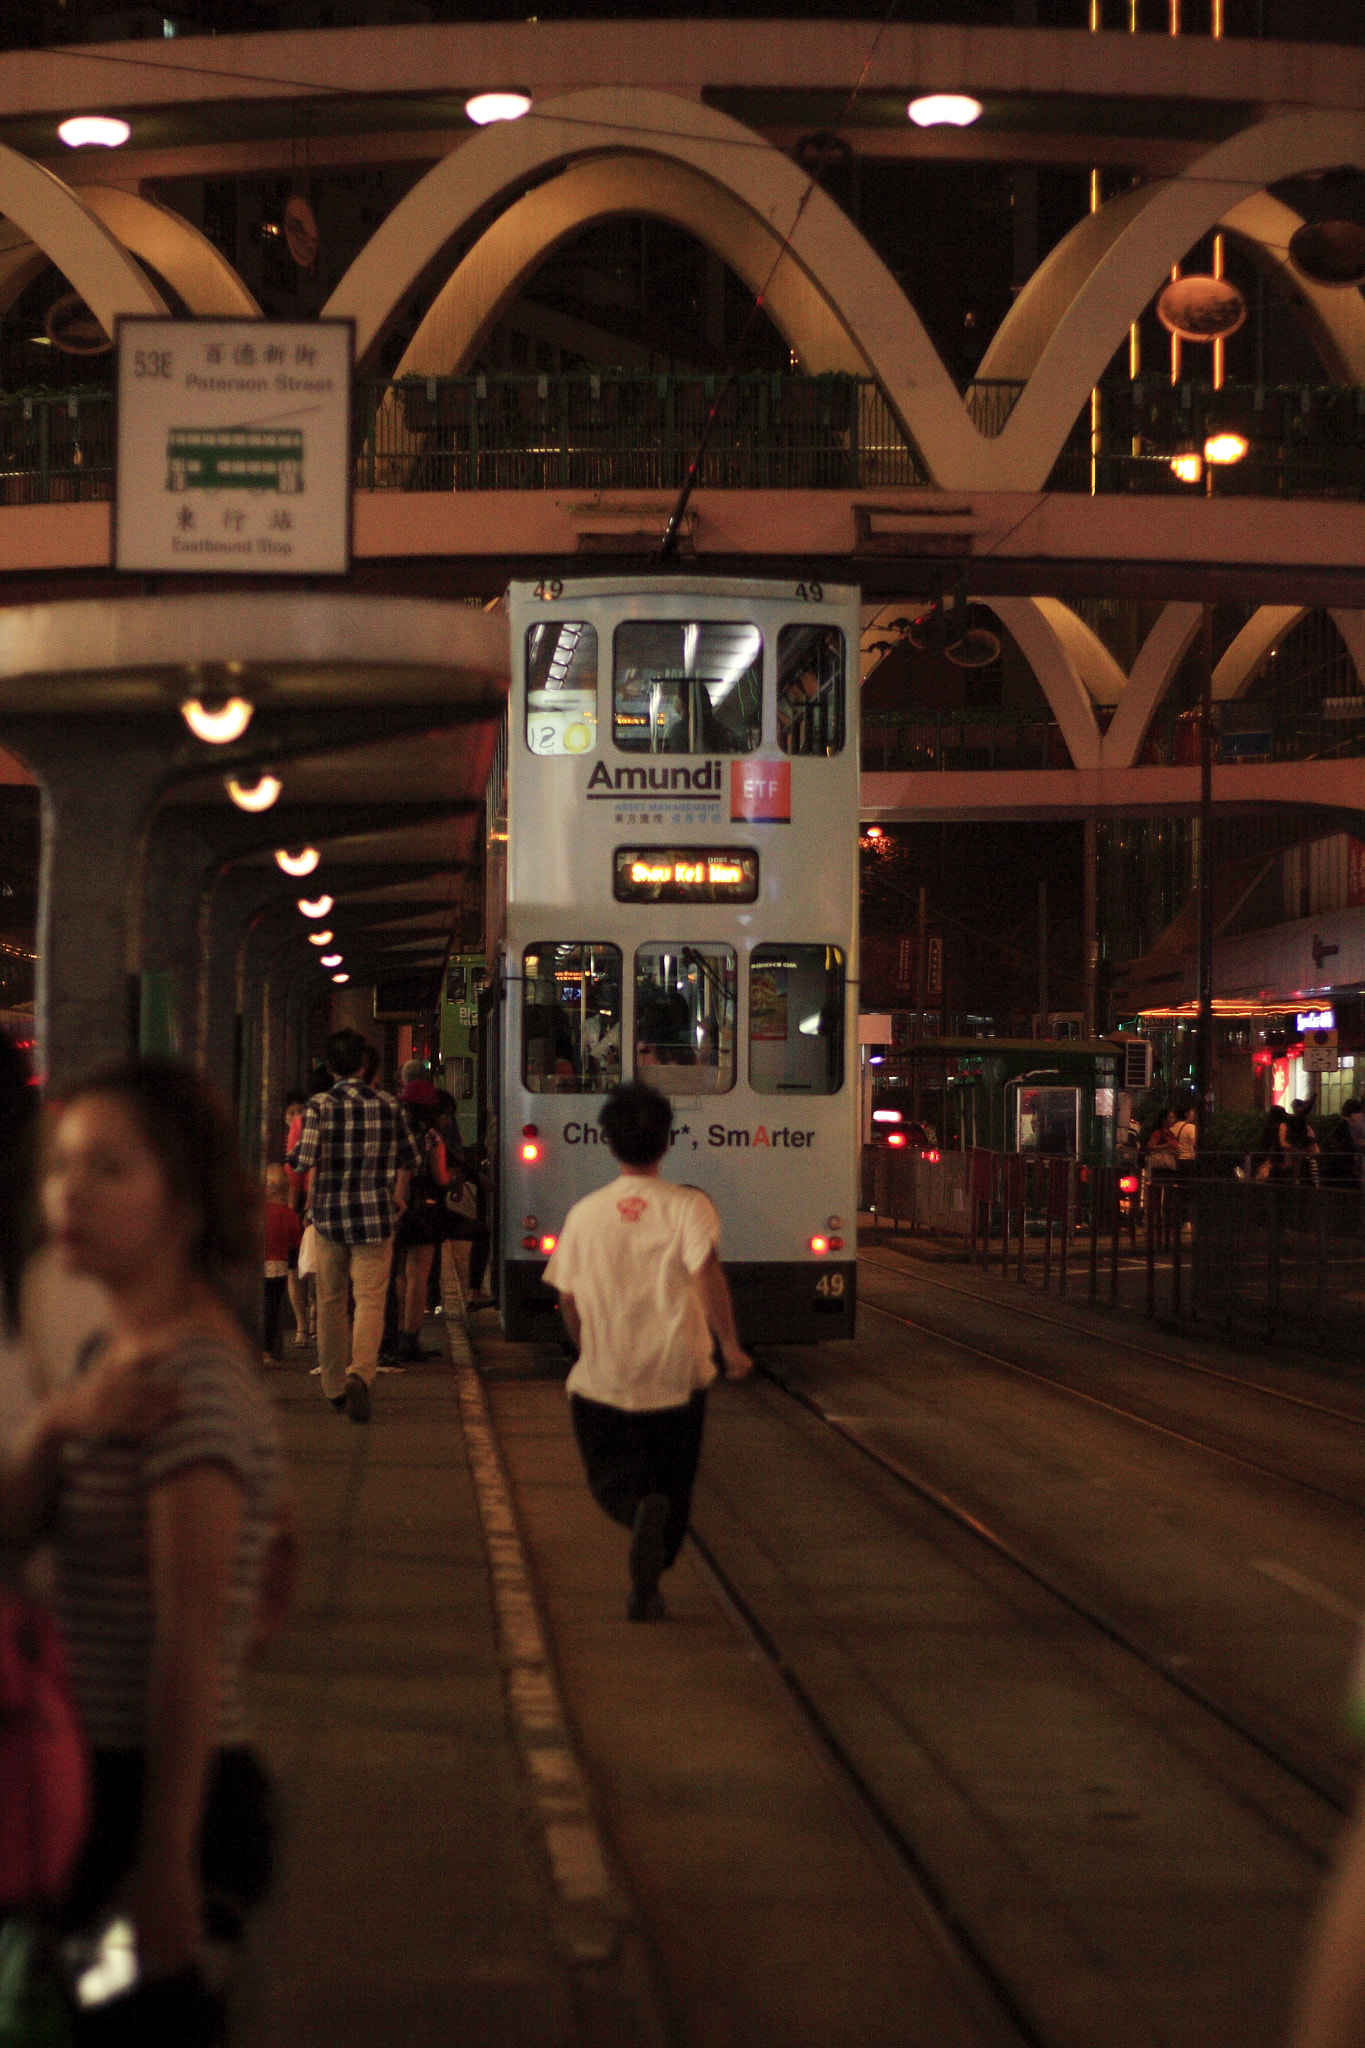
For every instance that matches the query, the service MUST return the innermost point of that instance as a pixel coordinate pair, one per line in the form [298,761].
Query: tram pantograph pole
[1203,1056]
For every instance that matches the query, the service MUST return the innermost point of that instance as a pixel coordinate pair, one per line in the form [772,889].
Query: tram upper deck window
[796,1020]
[561,687]
[687,687]
[810,690]
[571,1018]
[685,1018]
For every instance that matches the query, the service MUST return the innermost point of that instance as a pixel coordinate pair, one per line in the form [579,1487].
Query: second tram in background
[678,903]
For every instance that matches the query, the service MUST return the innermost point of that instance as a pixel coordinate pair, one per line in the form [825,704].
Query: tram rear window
[561,687]
[571,1018]
[796,1020]
[810,690]
[684,686]
[685,1018]
[685,874]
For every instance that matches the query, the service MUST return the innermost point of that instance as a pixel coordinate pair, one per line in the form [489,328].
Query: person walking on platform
[641,1291]
[359,1153]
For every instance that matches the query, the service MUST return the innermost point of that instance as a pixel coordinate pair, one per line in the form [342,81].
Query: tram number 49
[550,589]
[830,1286]
[811,593]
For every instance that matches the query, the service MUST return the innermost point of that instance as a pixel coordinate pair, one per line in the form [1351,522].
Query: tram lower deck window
[561,687]
[796,1020]
[685,1018]
[687,686]
[571,1018]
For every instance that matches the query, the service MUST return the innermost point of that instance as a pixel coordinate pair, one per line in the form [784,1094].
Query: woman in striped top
[161,1538]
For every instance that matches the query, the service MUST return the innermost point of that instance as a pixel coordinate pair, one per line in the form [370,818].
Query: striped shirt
[104,1595]
[355,1140]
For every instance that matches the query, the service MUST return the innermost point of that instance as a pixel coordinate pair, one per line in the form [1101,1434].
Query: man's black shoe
[357,1398]
[337,1401]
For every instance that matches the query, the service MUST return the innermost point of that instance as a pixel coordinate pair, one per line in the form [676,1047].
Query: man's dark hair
[636,1121]
[292,1096]
[346,1052]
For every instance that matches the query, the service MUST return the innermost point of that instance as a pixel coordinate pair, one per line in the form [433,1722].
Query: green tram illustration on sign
[234,459]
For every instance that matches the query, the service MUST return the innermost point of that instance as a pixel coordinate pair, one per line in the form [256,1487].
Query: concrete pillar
[100,780]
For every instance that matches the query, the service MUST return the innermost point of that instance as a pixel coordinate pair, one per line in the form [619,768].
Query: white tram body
[681,907]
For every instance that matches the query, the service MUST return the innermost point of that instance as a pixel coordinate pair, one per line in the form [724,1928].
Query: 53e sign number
[152,362]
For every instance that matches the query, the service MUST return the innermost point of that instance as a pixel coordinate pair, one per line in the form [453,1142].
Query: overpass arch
[50,216]
[825,250]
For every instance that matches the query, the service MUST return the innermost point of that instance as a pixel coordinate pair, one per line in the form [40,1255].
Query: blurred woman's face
[105,1199]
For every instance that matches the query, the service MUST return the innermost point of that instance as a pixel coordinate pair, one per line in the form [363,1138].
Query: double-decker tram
[680,907]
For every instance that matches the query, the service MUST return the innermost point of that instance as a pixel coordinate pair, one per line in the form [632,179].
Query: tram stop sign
[233,446]
[1320,1052]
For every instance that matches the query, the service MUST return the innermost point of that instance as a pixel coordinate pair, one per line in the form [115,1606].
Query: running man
[641,1291]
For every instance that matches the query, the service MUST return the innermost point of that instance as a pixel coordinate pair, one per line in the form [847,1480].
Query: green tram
[1054,1096]
[235,459]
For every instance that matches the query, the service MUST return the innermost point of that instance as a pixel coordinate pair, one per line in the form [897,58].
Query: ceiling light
[332,959]
[341,977]
[318,909]
[226,718]
[497,106]
[297,864]
[256,796]
[320,938]
[1225,447]
[944,110]
[104,131]
[1189,468]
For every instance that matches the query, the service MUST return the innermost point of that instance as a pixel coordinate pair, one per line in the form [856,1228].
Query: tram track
[1131,1415]
[1165,1664]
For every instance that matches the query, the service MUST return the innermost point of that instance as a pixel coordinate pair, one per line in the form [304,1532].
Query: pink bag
[44,1768]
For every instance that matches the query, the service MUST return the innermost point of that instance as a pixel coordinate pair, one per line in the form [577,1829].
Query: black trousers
[628,1453]
[477,1235]
[275,1287]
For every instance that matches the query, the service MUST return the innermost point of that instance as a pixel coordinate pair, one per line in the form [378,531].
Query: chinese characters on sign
[234,446]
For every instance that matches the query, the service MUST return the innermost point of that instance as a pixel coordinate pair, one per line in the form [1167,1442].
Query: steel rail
[1165,1429]
[1333,1795]
[990,1999]
[1211,1372]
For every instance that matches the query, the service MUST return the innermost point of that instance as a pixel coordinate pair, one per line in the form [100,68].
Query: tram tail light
[932,1156]
[836,1244]
[819,1245]
[897,1139]
[1128,1184]
[530,1244]
[530,1150]
[548,1243]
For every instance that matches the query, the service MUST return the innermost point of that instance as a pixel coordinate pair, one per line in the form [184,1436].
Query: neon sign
[685,874]
[1315,1020]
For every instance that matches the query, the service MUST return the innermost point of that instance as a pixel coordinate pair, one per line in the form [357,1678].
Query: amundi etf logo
[604,785]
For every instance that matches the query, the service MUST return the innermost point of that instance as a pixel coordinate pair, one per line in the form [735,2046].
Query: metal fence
[1279,1260]
[56,447]
[960,740]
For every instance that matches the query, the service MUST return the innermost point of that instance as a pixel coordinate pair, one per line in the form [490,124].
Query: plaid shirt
[355,1140]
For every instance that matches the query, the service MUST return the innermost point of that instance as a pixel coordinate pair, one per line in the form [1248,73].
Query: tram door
[492,1038]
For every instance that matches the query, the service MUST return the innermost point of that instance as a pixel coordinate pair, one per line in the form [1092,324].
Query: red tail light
[819,1245]
[932,1157]
[530,1150]
[896,1138]
[548,1243]
[1129,1184]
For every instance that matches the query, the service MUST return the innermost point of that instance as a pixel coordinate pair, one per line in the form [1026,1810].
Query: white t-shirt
[1186,1137]
[629,1254]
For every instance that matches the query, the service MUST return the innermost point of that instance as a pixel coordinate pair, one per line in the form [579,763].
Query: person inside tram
[799,719]
[665,1038]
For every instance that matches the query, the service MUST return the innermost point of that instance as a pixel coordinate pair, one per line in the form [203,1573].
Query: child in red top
[283,1231]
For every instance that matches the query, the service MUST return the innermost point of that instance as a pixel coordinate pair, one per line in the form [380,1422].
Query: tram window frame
[813,726]
[684,674]
[558,742]
[578,1081]
[661,1074]
[827,960]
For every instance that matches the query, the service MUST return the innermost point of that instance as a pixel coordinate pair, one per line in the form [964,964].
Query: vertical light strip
[1219,361]
[1135,331]
[1096,24]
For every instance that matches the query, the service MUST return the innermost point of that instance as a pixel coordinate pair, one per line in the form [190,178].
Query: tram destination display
[685,874]
[233,446]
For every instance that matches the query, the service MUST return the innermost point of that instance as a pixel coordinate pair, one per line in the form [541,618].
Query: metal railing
[637,430]
[960,739]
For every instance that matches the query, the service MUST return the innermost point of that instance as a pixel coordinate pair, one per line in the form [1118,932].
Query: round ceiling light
[297,864]
[1201,308]
[332,959]
[318,909]
[219,722]
[1225,447]
[341,977]
[485,107]
[255,796]
[100,131]
[944,110]
[321,938]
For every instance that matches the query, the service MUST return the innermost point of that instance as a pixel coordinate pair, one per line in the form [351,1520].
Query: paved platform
[416,1900]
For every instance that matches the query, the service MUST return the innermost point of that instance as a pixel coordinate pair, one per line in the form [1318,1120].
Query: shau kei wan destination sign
[685,874]
[233,446]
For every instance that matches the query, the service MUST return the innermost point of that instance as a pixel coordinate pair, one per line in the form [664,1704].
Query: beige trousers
[341,1349]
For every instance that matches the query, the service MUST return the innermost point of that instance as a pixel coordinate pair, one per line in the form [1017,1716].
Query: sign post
[233,447]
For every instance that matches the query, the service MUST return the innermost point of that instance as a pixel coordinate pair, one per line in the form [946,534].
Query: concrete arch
[1247,654]
[1050,647]
[1333,320]
[187,259]
[826,250]
[49,214]
[1159,656]
[484,283]
[1129,270]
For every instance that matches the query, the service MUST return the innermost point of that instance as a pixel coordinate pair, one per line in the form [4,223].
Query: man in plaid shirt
[359,1153]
